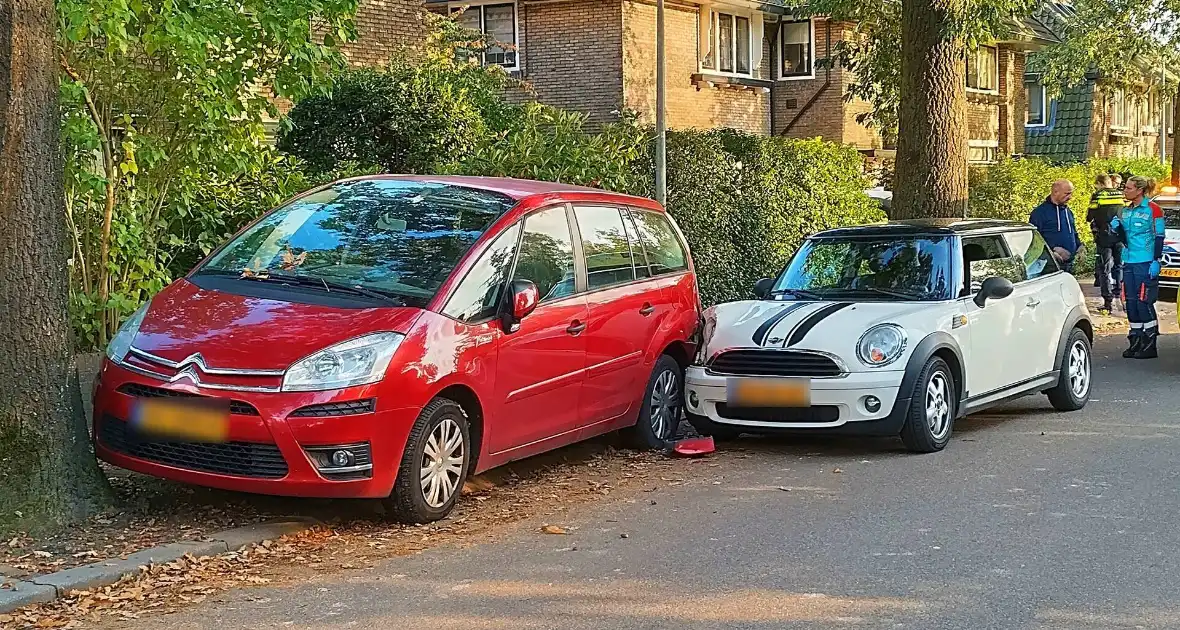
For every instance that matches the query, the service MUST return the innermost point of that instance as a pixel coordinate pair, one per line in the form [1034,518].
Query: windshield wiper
[904,295]
[327,285]
[803,293]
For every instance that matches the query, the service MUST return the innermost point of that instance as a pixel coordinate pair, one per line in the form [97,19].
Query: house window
[796,41]
[1038,105]
[498,24]
[982,151]
[983,66]
[730,44]
[1120,115]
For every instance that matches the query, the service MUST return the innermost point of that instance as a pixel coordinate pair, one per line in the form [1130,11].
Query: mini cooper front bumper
[839,404]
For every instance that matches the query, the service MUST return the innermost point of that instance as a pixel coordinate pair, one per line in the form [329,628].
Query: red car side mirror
[522,300]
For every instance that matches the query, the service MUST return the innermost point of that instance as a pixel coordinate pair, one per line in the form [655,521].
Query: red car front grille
[242,459]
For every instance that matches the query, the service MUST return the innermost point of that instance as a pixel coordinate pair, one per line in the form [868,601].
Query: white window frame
[454,7]
[1149,113]
[1119,103]
[995,73]
[984,144]
[778,57]
[709,38]
[1029,89]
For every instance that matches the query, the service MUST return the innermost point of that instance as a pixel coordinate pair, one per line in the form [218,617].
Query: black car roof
[917,227]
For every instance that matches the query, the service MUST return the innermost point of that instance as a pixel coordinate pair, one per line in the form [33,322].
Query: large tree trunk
[48,474]
[931,169]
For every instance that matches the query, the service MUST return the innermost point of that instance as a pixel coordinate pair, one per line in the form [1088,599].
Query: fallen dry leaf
[553,529]
[837,471]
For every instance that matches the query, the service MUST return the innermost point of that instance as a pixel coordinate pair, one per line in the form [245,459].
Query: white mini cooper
[895,329]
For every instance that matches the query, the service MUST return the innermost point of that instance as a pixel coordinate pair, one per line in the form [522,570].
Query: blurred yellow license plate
[196,419]
[769,392]
[1171,273]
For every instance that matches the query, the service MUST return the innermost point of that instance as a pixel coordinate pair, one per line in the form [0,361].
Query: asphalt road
[1029,519]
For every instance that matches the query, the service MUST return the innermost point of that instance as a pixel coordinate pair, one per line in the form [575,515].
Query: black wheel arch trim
[932,343]
[1072,319]
[925,349]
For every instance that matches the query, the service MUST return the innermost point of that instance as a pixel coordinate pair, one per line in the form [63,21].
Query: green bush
[550,144]
[746,202]
[415,116]
[1010,189]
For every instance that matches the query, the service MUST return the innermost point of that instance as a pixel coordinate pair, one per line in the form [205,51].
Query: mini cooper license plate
[769,392]
[195,420]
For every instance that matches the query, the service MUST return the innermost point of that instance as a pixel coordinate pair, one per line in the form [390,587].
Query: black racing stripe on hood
[772,321]
[806,325]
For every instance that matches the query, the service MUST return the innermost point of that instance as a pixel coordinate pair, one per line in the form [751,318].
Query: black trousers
[1109,271]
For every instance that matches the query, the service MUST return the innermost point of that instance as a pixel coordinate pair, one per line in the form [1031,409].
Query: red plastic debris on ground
[694,447]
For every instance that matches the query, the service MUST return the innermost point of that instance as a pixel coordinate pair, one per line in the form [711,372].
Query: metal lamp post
[661,125]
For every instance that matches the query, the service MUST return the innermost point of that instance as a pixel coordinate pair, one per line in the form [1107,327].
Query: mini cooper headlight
[881,345]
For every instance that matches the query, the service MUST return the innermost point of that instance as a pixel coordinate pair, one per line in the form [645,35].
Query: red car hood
[234,331]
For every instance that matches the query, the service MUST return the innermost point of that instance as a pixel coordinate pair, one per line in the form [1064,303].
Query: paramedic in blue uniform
[1142,229]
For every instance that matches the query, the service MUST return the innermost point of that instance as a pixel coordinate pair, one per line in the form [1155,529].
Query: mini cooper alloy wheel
[938,405]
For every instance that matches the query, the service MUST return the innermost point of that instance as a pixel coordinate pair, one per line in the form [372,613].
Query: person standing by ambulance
[1142,229]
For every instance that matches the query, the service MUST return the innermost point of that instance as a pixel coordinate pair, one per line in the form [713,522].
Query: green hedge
[1011,188]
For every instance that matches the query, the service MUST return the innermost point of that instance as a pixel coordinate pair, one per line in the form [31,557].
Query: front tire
[434,465]
[663,400]
[930,418]
[1072,391]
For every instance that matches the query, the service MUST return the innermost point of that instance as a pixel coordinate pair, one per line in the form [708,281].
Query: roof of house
[1067,136]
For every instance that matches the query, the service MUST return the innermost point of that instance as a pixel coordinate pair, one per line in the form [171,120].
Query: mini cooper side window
[547,254]
[478,295]
[1031,248]
[987,256]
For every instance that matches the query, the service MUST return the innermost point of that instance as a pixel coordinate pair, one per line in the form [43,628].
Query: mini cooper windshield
[888,267]
[374,239]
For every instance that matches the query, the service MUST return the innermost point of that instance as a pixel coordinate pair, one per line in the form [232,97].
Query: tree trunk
[1175,145]
[931,167]
[48,474]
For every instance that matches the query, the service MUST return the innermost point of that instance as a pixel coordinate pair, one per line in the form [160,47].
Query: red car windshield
[387,237]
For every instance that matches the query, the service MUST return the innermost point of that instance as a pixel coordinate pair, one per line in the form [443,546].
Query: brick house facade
[742,64]
[384,28]
[1094,119]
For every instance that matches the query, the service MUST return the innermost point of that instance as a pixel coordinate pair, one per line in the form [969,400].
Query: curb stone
[47,588]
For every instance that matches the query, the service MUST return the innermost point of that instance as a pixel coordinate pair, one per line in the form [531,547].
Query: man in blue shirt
[1141,225]
[1055,221]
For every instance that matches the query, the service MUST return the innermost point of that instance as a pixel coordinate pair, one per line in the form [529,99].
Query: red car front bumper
[266,452]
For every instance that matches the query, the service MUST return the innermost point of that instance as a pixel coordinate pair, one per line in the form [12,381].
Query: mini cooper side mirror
[762,288]
[523,297]
[994,288]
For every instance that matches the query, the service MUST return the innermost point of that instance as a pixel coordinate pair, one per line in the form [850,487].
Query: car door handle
[1033,303]
[647,309]
[576,328]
